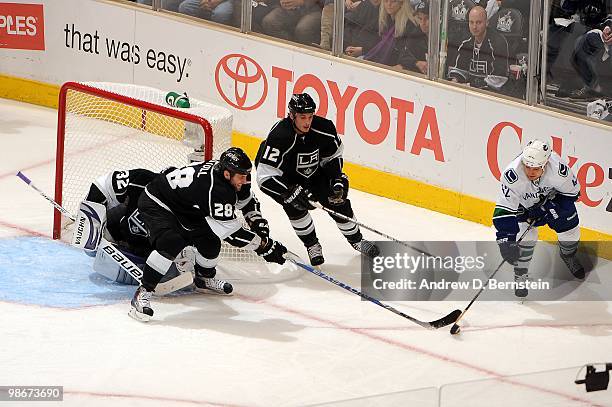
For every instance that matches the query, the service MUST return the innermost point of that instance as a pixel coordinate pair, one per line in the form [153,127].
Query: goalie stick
[115,254]
[438,323]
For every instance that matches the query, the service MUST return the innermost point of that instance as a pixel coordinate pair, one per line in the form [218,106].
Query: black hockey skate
[315,253]
[208,285]
[521,277]
[141,305]
[366,247]
[574,265]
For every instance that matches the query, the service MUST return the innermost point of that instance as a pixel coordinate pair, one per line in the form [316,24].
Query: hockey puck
[455,329]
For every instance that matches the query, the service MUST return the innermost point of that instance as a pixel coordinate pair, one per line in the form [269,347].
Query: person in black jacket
[415,59]
[361,28]
[482,58]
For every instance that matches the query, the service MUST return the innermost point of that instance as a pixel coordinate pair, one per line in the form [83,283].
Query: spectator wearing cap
[396,24]
[415,57]
[482,58]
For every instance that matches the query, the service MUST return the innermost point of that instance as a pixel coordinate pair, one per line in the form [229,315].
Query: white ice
[303,341]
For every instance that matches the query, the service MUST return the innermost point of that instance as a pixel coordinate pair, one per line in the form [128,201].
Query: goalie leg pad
[90,223]
[109,268]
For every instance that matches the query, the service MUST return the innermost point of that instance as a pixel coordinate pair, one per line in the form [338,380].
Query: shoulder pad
[324,125]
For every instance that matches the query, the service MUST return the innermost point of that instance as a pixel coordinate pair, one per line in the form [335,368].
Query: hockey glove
[545,213]
[272,251]
[338,190]
[260,227]
[298,197]
[509,250]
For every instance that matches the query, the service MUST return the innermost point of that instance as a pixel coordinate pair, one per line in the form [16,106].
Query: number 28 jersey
[196,194]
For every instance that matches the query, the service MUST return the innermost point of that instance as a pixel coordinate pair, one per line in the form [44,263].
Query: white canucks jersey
[519,193]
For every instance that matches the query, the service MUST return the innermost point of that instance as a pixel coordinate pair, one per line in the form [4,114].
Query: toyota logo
[241,81]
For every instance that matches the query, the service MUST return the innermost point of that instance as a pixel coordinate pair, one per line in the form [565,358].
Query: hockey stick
[456,328]
[57,206]
[438,323]
[115,254]
[355,221]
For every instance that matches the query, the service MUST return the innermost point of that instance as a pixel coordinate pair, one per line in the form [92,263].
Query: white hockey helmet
[536,154]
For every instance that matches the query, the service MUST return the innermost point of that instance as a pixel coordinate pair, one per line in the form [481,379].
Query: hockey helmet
[302,103]
[235,161]
[536,154]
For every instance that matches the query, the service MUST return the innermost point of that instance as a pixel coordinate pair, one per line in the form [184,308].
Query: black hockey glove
[338,190]
[509,250]
[260,227]
[546,212]
[298,197]
[272,251]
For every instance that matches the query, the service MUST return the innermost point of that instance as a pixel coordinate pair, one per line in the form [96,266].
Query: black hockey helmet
[302,103]
[235,161]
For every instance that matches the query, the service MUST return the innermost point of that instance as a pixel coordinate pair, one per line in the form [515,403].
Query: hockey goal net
[104,127]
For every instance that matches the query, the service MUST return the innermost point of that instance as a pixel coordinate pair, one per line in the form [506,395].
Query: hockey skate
[521,276]
[315,253]
[212,285]
[141,305]
[574,265]
[366,247]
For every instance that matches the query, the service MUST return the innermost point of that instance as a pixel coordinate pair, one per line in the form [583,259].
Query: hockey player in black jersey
[301,160]
[188,212]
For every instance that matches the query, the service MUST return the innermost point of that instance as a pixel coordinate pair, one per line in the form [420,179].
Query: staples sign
[22,26]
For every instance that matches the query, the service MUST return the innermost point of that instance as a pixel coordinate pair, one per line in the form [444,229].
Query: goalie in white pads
[537,186]
[188,212]
[111,210]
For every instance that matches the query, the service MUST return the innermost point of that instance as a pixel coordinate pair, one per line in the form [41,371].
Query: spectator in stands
[260,9]
[592,60]
[170,5]
[418,46]
[570,19]
[361,28]
[294,20]
[219,11]
[482,58]
[396,25]
[327,20]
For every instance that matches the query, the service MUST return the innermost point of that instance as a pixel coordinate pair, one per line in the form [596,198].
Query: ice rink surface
[302,341]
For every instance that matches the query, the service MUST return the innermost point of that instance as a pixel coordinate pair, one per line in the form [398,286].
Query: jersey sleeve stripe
[324,133]
[337,154]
